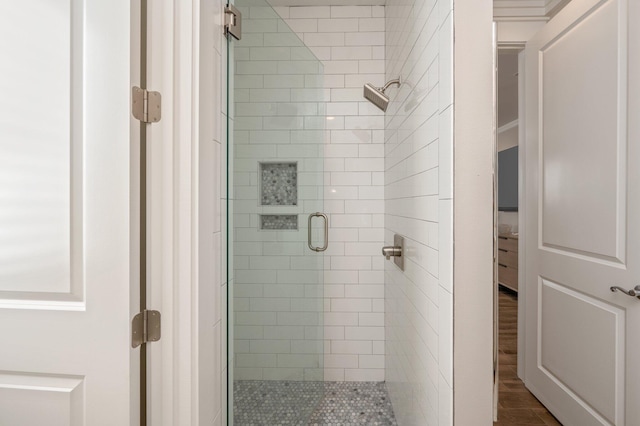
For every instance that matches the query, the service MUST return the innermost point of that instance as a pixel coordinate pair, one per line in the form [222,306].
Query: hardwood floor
[516,405]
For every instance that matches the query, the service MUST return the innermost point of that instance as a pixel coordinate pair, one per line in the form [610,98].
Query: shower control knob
[388,251]
[396,251]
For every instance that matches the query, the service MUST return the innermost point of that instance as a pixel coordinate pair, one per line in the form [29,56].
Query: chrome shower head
[376,95]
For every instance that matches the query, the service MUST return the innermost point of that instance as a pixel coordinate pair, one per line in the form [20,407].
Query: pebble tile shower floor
[273,403]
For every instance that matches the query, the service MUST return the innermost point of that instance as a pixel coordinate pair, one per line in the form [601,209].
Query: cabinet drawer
[508,276]
[509,244]
[508,258]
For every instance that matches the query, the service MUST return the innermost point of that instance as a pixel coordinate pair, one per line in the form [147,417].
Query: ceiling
[527,8]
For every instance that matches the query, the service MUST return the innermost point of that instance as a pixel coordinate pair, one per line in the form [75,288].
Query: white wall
[508,219]
[508,136]
[474,158]
[418,202]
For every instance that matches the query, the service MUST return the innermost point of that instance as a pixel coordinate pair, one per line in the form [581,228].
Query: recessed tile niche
[278,221]
[278,184]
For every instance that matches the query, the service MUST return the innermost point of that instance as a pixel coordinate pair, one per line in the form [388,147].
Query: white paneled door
[65,214]
[583,213]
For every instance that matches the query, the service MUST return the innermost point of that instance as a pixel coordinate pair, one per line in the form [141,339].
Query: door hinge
[145,327]
[232,22]
[146,105]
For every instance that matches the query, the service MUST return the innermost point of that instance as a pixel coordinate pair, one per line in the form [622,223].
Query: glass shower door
[276,232]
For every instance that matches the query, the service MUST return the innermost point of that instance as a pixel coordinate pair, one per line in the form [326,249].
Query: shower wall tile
[371,319]
[351,52]
[371,24]
[364,375]
[356,347]
[350,11]
[351,221]
[370,38]
[341,67]
[305,12]
[418,200]
[323,39]
[335,25]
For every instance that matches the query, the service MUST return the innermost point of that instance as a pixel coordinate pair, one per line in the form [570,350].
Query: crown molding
[526,9]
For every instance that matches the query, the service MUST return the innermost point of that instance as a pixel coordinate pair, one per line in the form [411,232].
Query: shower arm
[386,86]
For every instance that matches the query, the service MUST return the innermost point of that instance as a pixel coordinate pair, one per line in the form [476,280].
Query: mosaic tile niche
[278,184]
[278,221]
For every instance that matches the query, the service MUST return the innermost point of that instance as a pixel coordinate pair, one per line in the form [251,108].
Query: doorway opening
[515,404]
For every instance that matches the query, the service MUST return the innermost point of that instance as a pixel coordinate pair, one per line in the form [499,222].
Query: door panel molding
[41,168]
[59,399]
[590,184]
[562,350]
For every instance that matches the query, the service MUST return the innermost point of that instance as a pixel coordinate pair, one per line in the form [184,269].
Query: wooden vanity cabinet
[508,261]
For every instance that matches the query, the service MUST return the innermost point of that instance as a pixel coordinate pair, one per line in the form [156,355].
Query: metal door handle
[634,292]
[326,231]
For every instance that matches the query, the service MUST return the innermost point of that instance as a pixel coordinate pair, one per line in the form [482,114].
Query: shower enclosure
[276,230]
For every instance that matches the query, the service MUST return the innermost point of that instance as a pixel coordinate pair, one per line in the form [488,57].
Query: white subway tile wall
[418,205]
[350,42]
